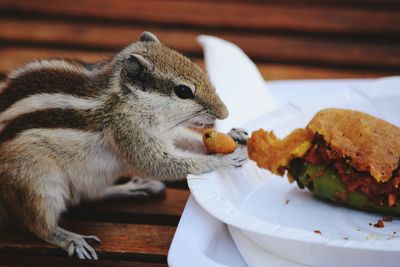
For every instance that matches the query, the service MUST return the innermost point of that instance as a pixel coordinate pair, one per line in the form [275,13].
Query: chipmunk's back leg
[36,199]
[43,215]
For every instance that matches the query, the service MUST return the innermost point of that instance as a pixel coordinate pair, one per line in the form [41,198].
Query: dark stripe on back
[49,119]
[46,81]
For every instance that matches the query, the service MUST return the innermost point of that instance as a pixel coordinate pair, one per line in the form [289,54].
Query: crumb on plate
[379,224]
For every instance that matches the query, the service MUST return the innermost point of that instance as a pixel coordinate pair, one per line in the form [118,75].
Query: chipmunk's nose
[222,112]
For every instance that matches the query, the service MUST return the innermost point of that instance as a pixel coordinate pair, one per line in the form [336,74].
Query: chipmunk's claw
[239,135]
[92,238]
[74,244]
[80,248]
[238,158]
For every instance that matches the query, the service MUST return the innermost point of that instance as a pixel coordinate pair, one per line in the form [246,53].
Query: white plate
[202,240]
[252,253]
[252,200]
[211,243]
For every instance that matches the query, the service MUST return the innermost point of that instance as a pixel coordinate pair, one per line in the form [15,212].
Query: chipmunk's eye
[184,92]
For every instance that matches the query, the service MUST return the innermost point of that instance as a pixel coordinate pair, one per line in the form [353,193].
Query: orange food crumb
[218,143]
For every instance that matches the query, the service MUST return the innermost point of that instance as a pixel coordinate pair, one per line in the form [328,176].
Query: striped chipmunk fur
[69,129]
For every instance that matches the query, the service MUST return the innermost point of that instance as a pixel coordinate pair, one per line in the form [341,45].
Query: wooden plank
[290,72]
[261,47]
[238,15]
[166,210]
[119,241]
[382,4]
[290,49]
[172,204]
[15,56]
[18,259]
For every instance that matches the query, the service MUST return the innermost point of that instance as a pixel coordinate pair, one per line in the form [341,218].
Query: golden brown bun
[372,144]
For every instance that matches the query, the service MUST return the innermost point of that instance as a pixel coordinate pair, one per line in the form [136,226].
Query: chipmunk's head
[168,82]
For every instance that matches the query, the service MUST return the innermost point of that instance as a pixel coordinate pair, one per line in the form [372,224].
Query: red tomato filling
[363,182]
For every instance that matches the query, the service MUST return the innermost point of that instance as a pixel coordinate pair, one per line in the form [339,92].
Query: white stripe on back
[54,64]
[46,101]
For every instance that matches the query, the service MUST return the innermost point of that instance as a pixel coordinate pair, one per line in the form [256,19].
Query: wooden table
[288,39]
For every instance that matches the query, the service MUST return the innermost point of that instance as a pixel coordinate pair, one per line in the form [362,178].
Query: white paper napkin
[237,81]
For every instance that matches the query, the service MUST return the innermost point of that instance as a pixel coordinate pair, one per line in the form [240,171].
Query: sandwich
[342,155]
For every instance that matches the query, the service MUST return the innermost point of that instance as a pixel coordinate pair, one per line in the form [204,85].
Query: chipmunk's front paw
[238,158]
[239,135]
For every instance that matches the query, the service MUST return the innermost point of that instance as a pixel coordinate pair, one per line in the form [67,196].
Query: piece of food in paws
[218,143]
[342,155]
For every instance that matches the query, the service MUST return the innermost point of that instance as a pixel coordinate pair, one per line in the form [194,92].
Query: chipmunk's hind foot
[74,244]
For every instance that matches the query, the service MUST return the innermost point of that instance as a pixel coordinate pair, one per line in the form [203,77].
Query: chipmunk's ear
[148,37]
[135,68]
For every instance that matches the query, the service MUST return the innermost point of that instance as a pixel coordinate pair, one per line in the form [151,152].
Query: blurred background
[288,39]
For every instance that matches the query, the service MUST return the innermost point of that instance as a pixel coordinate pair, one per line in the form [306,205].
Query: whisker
[187,118]
[184,117]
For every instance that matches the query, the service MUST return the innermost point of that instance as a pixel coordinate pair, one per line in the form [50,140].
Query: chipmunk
[69,130]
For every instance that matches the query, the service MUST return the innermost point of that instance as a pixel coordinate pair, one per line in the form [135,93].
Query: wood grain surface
[14,56]
[243,15]
[132,240]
